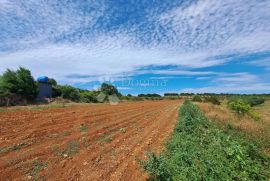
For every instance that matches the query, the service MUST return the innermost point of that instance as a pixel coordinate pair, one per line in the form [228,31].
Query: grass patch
[38,166]
[198,150]
[13,148]
[106,138]
[83,128]
[10,110]
[48,106]
[122,130]
[72,148]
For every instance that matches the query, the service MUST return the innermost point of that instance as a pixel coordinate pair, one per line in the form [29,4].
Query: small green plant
[122,130]
[38,166]
[73,147]
[83,128]
[105,138]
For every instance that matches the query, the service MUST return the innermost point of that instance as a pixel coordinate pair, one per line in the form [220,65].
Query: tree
[52,82]
[9,81]
[109,89]
[20,83]
[27,86]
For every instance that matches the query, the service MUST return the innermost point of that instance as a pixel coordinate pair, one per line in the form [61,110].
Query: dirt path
[93,142]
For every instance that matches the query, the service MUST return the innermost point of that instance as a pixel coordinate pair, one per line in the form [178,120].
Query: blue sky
[142,46]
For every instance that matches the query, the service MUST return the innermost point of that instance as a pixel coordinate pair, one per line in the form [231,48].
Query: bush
[69,92]
[197,98]
[89,96]
[240,106]
[254,101]
[212,99]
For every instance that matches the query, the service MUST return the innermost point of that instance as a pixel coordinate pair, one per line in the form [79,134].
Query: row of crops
[198,150]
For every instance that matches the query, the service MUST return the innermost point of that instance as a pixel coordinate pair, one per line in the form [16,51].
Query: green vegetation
[83,128]
[198,150]
[242,107]
[122,130]
[105,138]
[38,166]
[71,93]
[73,147]
[13,147]
[208,98]
[239,106]
[212,99]
[18,84]
[251,100]
[197,98]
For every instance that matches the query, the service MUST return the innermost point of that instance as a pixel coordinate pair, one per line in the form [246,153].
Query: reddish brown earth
[87,142]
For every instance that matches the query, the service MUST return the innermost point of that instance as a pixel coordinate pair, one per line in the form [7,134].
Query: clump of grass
[83,128]
[72,148]
[105,138]
[198,150]
[38,166]
[12,148]
[122,130]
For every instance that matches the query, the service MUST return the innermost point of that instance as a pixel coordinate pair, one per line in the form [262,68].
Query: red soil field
[84,142]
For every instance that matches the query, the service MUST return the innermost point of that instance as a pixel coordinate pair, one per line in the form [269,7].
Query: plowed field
[86,142]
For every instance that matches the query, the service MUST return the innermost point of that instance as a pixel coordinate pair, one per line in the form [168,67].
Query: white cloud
[231,88]
[224,26]
[233,83]
[63,40]
[106,56]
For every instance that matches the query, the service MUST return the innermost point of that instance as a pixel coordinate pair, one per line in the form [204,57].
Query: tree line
[20,87]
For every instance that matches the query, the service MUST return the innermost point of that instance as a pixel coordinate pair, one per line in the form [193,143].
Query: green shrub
[197,98]
[212,99]
[240,106]
[89,96]
[69,92]
[254,101]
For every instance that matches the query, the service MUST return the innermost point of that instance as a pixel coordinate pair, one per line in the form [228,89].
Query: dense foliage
[197,98]
[69,92]
[109,89]
[251,100]
[19,83]
[240,106]
[200,151]
[254,101]
[212,99]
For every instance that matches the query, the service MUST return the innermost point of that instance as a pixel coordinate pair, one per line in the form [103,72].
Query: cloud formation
[93,39]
